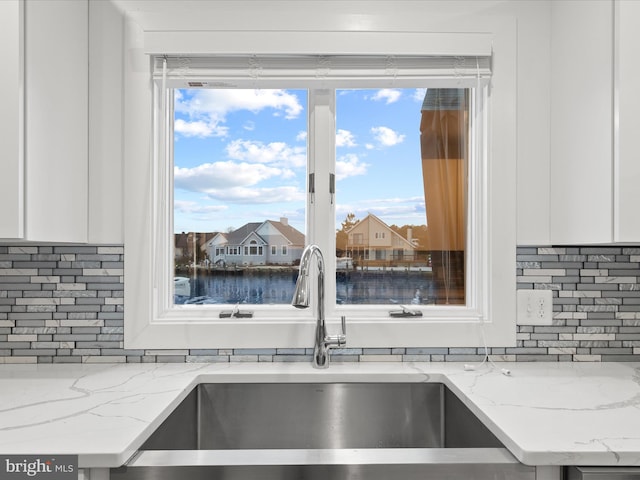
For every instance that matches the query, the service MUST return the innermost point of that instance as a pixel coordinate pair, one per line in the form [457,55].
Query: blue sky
[240,156]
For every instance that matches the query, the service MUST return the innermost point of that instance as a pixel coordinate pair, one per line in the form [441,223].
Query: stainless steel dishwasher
[603,473]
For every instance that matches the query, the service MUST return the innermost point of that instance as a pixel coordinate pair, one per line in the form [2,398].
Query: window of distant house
[249,169]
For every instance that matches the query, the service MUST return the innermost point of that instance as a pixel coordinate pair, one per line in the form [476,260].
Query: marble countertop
[544,413]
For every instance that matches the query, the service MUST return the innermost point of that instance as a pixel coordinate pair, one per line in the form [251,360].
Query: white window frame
[152,322]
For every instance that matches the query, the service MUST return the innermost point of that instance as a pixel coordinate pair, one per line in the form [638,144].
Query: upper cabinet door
[581,122]
[627,121]
[106,90]
[595,161]
[12,119]
[56,115]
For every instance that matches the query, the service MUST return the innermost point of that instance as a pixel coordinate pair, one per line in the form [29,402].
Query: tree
[341,235]
[349,222]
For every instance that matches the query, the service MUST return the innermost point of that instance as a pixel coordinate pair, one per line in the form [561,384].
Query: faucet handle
[341,338]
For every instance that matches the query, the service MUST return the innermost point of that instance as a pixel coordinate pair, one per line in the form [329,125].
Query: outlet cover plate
[535,307]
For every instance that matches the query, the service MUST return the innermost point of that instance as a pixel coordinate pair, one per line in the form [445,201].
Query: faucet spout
[301,299]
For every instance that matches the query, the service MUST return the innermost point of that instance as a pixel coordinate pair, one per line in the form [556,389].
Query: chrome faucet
[301,296]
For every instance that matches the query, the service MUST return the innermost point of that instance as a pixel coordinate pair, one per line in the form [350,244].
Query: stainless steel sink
[330,431]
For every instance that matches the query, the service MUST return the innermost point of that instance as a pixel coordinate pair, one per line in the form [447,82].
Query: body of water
[262,287]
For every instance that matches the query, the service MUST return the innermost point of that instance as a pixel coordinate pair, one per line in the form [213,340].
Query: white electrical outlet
[535,307]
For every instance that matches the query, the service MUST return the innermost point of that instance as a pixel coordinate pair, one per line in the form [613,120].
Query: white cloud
[199,128]
[418,94]
[274,153]
[208,108]
[195,208]
[391,210]
[349,166]
[219,175]
[198,216]
[301,137]
[388,95]
[344,138]
[411,206]
[235,182]
[386,136]
[219,102]
[406,212]
[265,195]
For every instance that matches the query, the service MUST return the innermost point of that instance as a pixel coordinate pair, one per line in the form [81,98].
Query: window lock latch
[405,313]
[235,313]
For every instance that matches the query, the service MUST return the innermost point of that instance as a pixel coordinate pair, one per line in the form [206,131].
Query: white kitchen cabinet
[595,162]
[59,181]
[12,118]
[581,199]
[106,90]
[44,129]
[627,121]
[56,116]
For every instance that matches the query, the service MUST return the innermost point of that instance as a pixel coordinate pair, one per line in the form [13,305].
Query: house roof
[205,239]
[238,236]
[362,224]
[295,236]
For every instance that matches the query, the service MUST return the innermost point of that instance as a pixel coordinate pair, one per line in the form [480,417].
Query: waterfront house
[268,243]
[372,240]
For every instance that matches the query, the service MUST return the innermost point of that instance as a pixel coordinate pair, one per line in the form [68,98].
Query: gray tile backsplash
[64,304]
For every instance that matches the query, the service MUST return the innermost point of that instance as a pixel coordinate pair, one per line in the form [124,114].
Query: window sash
[320,212]
[319,74]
